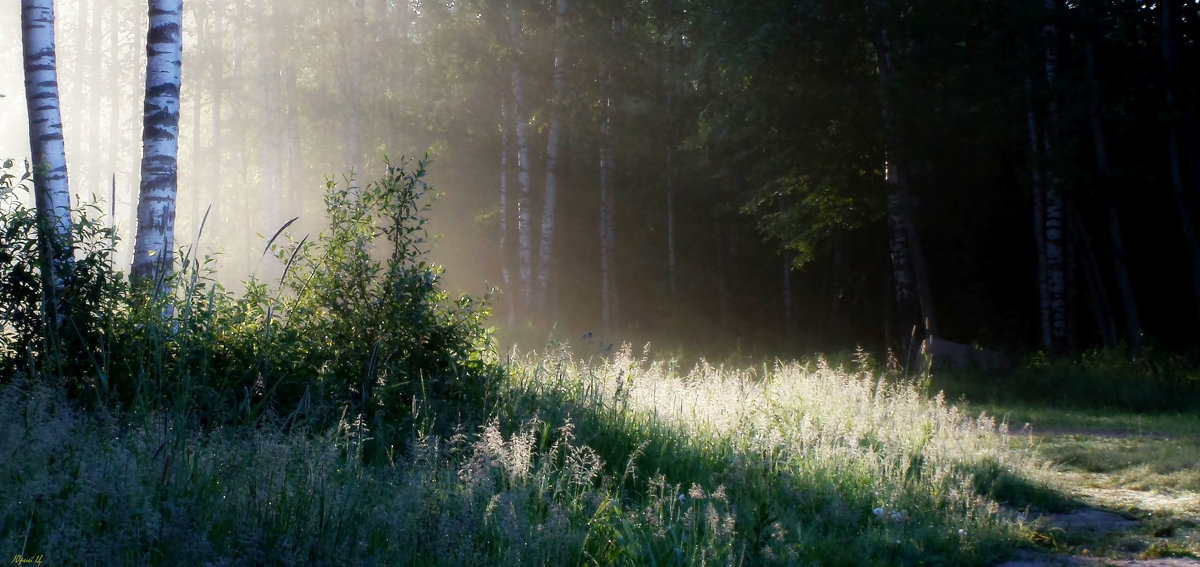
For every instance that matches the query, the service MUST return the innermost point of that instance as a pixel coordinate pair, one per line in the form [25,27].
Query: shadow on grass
[993,480]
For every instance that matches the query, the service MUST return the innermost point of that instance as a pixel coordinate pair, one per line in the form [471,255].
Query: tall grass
[620,461]
[819,464]
[354,414]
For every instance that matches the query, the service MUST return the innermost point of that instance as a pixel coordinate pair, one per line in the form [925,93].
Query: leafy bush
[357,327]
[361,311]
[74,346]
[1106,377]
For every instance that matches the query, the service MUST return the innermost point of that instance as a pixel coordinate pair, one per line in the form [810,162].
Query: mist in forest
[703,175]
[280,98]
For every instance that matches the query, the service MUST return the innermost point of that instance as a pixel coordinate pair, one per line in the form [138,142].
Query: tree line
[796,175]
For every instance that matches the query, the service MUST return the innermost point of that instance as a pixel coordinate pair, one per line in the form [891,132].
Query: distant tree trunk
[237,74]
[153,252]
[94,97]
[354,91]
[1094,278]
[79,90]
[1133,323]
[1049,203]
[553,146]
[289,134]
[1039,216]
[608,294]
[114,105]
[524,214]
[214,176]
[268,124]
[1175,116]
[505,150]
[910,272]
[51,193]
[673,92]
[198,168]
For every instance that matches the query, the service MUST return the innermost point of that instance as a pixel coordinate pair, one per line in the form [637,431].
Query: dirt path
[1151,526]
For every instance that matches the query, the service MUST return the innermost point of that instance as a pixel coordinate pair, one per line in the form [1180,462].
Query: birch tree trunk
[553,145]
[1054,203]
[524,214]
[153,250]
[908,260]
[51,194]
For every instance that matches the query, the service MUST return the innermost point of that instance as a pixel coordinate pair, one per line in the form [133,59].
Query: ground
[1131,492]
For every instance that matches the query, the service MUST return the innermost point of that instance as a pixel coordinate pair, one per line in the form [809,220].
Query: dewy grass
[818,464]
[623,461]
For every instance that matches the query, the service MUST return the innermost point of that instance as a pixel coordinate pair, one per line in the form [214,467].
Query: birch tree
[51,194]
[910,274]
[553,145]
[521,118]
[153,255]
[608,279]
[1049,220]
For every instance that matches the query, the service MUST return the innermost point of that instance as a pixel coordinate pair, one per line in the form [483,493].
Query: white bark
[153,253]
[524,214]
[51,193]
[553,144]
[898,241]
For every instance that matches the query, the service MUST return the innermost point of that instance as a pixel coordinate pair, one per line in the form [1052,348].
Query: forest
[552,282]
[779,177]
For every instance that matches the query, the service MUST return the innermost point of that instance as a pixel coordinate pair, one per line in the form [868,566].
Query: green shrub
[356,329]
[29,343]
[363,316]
[1112,378]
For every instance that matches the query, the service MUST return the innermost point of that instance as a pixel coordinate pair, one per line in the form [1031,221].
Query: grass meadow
[622,460]
[352,413]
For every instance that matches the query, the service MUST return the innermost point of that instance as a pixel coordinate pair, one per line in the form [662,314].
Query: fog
[280,97]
